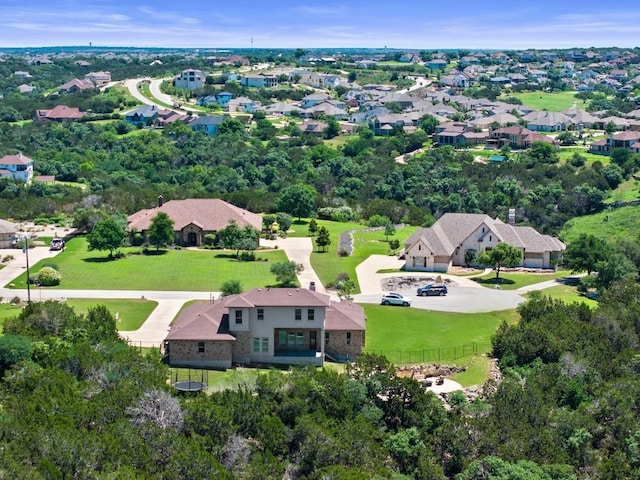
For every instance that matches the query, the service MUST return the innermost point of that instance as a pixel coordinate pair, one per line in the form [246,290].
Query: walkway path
[299,249]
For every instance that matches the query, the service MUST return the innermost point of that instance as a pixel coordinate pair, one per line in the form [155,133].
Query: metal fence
[435,355]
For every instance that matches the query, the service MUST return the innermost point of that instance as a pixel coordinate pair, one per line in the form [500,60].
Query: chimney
[512,216]
[312,286]
[160,200]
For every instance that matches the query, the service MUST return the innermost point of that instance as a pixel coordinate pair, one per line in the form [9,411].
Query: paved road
[132,85]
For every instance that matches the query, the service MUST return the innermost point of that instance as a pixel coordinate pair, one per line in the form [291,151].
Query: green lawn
[412,335]
[628,190]
[8,311]
[553,102]
[175,270]
[476,373]
[568,294]
[566,153]
[328,264]
[515,280]
[610,224]
[131,313]
[146,91]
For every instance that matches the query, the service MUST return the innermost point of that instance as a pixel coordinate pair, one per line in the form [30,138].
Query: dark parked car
[433,290]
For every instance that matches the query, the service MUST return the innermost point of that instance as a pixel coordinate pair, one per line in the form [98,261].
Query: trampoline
[192,384]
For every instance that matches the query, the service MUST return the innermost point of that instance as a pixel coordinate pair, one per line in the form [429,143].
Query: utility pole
[26,252]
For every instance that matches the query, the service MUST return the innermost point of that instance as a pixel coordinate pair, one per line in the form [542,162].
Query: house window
[326,338]
[261,314]
[348,338]
[482,229]
[238,316]
[265,345]
[298,314]
[200,347]
[419,247]
[299,339]
[311,314]
[490,238]
[282,338]
[256,344]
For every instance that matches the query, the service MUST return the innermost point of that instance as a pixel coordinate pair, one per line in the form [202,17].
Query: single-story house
[193,218]
[446,242]
[7,234]
[143,116]
[208,124]
[60,113]
[284,326]
[76,85]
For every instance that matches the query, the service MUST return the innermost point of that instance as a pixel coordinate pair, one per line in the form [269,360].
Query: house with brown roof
[7,234]
[60,113]
[193,218]
[285,326]
[629,140]
[518,137]
[76,85]
[446,242]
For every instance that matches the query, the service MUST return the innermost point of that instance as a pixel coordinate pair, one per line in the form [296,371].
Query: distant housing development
[446,242]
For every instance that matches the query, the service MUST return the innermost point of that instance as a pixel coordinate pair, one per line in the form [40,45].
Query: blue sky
[417,24]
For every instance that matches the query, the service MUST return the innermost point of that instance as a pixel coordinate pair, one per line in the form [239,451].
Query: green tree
[48,277]
[346,288]
[323,240]
[389,230]
[615,266]
[313,227]
[297,200]
[585,252]
[235,238]
[332,129]
[286,272]
[502,255]
[13,348]
[108,234]
[161,230]
[231,287]
[429,124]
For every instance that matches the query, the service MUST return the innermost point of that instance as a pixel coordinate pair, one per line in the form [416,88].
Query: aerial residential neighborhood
[355,256]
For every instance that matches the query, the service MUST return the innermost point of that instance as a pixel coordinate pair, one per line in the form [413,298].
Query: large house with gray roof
[193,218]
[282,326]
[446,242]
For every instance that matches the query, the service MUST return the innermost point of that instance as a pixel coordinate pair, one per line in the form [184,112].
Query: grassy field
[173,270]
[610,224]
[628,190]
[328,264]
[515,280]
[476,373]
[131,313]
[412,335]
[8,311]
[553,102]
[566,153]
[568,294]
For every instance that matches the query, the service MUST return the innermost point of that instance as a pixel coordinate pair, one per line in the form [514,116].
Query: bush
[209,239]
[378,221]
[231,287]
[337,214]
[343,253]
[7,258]
[284,221]
[48,277]
[247,257]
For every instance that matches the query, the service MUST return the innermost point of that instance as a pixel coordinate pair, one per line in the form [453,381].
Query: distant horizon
[290,24]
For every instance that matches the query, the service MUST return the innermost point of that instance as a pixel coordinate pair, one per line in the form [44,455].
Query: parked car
[57,244]
[394,298]
[433,290]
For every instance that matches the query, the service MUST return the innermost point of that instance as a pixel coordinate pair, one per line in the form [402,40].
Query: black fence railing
[435,355]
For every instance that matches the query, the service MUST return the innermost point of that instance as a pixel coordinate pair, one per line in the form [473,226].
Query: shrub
[209,239]
[378,221]
[48,277]
[394,244]
[231,287]
[337,214]
[247,256]
[7,258]
[343,253]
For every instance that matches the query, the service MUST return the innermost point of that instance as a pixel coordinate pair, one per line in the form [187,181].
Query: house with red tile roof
[282,326]
[446,242]
[193,218]
[19,167]
[60,113]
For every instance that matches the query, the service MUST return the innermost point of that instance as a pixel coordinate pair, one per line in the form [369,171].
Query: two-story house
[285,326]
[191,79]
[19,167]
[261,80]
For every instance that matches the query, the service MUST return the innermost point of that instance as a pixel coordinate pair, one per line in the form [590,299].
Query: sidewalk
[299,249]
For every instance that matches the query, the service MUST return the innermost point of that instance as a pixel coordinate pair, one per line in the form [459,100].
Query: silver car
[394,298]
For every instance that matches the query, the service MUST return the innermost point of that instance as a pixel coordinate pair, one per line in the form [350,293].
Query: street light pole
[26,252]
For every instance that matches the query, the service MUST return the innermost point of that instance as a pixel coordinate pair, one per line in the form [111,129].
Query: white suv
[394,298]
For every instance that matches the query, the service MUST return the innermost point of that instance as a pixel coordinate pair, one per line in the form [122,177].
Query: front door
[193,239]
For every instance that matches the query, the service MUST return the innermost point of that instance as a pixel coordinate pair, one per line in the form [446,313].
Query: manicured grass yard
[553,102]
[132,313]
[610,224]
[568,294]
[627,190]
[515,280]
[175,270]
[328,264]
[412,335]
